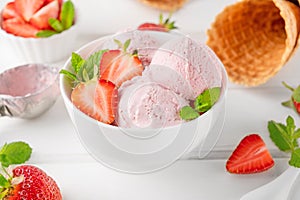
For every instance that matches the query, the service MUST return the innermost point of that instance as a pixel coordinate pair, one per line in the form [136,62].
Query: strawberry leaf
[15,153]
[188,113]
[56,25]
[295,158]
[67,14]
[207,99]
[288,104]
[296,94]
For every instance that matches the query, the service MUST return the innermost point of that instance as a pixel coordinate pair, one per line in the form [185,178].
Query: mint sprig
[15,153]
[65,21]
[285,138]
[84,70]
[202,103]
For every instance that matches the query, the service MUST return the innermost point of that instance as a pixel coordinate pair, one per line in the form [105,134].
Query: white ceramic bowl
[40,50]
[145,150]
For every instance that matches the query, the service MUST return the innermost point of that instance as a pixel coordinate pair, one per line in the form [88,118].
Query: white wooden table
[57,149]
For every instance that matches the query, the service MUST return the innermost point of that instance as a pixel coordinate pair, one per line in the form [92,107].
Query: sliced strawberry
[250,156]
[41,17]
[97,99]
[9,11]
[118,67]
[108,58]
[14,26]
[27,8]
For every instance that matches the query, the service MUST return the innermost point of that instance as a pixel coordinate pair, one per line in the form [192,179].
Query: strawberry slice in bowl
[27,8]
[97,99]
[119,66]
[40,19]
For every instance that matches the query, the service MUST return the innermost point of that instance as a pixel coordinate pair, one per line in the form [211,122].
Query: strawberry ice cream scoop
[193,63]
[145,104]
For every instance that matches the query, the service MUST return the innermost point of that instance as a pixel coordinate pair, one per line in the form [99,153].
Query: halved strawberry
[41,17]
[27,8]
[118,67]
[250,156]
[9,11]
[97,99]
[14,26]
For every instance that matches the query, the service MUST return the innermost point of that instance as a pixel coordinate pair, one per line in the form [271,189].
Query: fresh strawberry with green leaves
[202,103]
[18,28]
[24,182]
[294,102]
[285,137]
[27,8]
[97,98]
[250,156]
[164,25]
[119,65]
[40,19]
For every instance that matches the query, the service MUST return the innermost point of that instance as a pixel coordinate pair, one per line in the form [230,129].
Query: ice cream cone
[255,38]
[165,5]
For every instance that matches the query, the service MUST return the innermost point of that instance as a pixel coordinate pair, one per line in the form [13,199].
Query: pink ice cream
[180,70]
[144,104]
[192,62]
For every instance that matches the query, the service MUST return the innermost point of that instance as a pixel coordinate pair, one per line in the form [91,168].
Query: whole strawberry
[24,182]
[294,102]
[36,184]
[163,25]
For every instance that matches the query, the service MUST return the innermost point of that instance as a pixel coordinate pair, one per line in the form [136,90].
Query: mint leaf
[45,33]
[280,137]
[188,113]
[77,62]
[67,14]
[68,74]
[15,153]
[86,72]
[295,158]
[207,99]
[297,133]
[4,183]
[56,25]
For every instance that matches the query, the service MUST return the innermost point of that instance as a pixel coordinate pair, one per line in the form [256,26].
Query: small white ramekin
[40,50]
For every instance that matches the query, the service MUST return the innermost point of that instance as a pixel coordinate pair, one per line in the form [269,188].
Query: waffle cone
[165,5]
[255,38]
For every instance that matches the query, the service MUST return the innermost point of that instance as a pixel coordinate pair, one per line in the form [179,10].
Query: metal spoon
[278,189]
[28,91]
